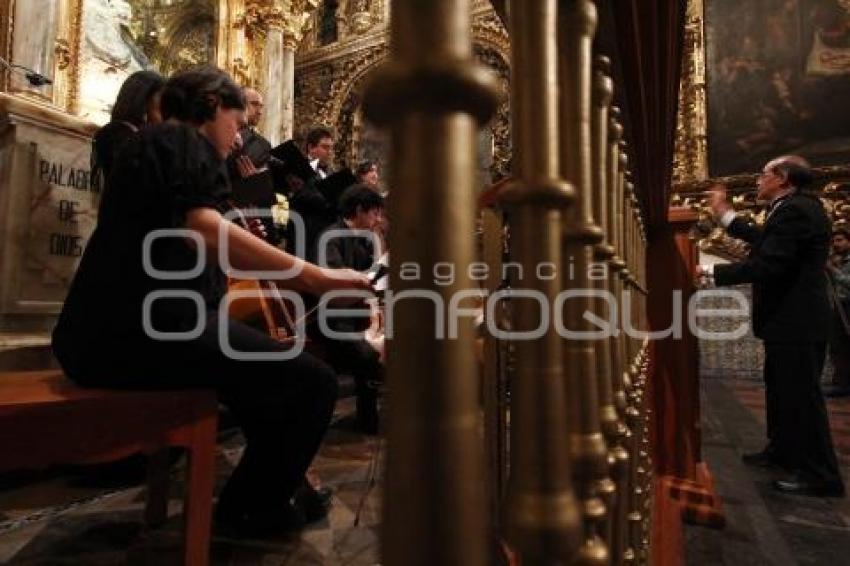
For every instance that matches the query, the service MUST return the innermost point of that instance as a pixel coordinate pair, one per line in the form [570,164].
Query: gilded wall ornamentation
[175,35]
[193,45]
[690,162]
[329,79]
[336,24]
[487,29]
[253,22]
[62,50]
[321,92]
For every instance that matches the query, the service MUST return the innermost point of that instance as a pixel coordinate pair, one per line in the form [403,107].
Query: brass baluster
[609,420]
[541,513]
[433,98]
[576,27]
[622,462]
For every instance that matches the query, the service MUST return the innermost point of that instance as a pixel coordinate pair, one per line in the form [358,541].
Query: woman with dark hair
[143,311]
[137,105]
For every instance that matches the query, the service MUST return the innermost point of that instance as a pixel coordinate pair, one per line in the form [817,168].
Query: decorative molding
[46,116]
[329,78]
[258,18]
[63,54]
[317,56]
[488,29]
[297,17]
[289,16]
[323,90]
[494,59]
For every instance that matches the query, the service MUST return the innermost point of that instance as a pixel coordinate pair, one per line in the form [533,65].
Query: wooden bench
[45,419]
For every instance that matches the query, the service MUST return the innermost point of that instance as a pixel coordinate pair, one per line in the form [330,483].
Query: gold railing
[578,479]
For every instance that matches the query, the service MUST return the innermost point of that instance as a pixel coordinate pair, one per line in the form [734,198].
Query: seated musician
[173,176]
[361,208]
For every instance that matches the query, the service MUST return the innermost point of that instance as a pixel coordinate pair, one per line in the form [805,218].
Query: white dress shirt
[314,163]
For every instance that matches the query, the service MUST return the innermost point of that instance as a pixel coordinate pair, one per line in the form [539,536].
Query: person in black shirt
[137,106]
[361,208]
[143,309]
[306,200]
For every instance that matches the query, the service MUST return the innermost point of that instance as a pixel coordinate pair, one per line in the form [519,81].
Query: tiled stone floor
[764,527]
[46,520]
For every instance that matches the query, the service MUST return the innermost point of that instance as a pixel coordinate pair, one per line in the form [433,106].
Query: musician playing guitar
[143,309]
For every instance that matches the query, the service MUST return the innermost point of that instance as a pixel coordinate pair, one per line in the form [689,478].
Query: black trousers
[797,422]
[360,360]
[839,350]
[283,407]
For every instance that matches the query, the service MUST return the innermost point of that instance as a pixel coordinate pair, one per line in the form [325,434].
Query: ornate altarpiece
[329,79]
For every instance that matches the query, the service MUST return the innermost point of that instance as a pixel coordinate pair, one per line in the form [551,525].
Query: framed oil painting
[778,81]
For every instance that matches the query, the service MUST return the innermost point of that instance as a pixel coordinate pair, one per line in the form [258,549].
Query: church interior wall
[330,76]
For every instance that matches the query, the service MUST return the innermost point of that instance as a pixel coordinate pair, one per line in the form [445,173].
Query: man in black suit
[251,159]
[316,209]
[255,147]
[790,314]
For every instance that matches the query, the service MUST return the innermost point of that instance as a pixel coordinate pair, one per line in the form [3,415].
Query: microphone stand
[33,78]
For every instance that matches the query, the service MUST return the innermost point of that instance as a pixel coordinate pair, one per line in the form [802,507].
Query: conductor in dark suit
[791,312]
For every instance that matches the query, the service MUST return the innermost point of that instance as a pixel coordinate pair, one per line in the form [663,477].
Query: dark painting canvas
[778,81]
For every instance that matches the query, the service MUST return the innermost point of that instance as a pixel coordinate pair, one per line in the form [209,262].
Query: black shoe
[281,523]
[313,503]
[763,459]
[798,485]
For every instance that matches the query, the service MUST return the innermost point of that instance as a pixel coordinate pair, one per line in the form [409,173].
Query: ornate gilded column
[273,29]
[541,514]
[296,15]
[433,98]
[576,27]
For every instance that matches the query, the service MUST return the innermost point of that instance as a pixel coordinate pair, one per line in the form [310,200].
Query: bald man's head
[253,107]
